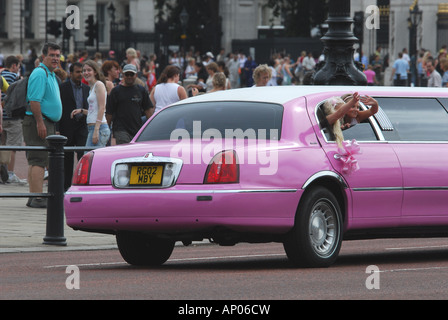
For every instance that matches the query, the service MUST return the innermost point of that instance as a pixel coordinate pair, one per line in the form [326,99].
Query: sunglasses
[129,74]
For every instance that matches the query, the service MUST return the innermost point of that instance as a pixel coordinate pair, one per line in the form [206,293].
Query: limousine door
[377,187]
[420,141]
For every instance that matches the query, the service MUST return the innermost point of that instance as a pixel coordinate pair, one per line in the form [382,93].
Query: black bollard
[55,205]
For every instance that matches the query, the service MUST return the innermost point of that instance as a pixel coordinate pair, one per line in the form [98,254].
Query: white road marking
[415,248]
[170,260]
[412,269]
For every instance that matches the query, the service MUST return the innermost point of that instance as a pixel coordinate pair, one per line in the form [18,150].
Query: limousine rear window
[444,102]
[416,119]
[242,120]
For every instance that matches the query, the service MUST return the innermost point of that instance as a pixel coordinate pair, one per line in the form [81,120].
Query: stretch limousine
[263,165]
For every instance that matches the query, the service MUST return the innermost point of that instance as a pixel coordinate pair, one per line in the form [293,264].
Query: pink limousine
[263,165]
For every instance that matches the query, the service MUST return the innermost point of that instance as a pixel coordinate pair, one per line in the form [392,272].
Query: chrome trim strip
[378,189]
[400,189]
[164,191]
[425,188]
[323,174]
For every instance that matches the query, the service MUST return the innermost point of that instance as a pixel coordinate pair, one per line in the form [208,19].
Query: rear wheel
[141,250]
[316,238]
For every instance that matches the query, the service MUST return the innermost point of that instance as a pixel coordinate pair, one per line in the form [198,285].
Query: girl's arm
[100,91]
[368,101]
[342,110]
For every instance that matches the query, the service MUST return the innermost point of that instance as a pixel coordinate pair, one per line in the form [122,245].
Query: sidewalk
[22,229]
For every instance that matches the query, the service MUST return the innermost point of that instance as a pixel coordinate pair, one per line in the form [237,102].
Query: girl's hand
[369,101]
[95,137]
[356,97]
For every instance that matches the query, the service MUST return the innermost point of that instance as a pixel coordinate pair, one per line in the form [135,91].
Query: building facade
[23,23]
[395,32]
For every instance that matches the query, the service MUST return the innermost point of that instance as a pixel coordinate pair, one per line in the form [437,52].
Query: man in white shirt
[435,79]
[308,62]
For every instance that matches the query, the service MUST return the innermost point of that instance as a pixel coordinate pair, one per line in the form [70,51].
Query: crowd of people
[97,101]
[422,69]
[87,99]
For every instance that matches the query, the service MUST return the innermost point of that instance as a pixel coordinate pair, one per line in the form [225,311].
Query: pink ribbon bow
[347,152]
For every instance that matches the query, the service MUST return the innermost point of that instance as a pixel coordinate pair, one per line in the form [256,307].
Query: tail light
[81,175]
[224,168]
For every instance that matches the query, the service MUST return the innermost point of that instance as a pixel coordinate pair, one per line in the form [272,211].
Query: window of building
[442,25]
[3,31]
[28,19]
[101,19]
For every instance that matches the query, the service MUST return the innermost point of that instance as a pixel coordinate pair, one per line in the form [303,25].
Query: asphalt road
[405,269]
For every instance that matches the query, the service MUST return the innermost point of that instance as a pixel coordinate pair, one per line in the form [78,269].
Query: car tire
[315,240]
[141,250]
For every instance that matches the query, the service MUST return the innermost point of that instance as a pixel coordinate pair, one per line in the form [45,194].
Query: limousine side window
[360,132]
[415,119]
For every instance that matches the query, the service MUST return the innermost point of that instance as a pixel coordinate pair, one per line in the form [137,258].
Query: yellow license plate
[146,175]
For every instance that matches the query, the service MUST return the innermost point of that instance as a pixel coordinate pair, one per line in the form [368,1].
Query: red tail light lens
[224,168]
[81,176]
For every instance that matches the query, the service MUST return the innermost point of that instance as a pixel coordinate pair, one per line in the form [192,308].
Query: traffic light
[91,32]
[54,27]
[66,32]
[358,29]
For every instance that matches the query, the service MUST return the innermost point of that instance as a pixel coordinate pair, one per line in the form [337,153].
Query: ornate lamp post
[415,17]
[112,26]
[184,18]
[339,68]
[111,11]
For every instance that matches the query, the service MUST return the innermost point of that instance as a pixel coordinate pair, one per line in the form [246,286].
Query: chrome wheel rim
[323,229]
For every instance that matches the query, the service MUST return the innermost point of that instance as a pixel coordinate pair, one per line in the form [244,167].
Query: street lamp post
[339,67]
[415,17]
[184,18]
[111,11]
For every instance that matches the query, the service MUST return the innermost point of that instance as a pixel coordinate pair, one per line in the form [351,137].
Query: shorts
[103,136]
[122,137]
[12,132]
[32,139]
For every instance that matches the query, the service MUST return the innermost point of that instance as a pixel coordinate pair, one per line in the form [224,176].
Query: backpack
[16,102]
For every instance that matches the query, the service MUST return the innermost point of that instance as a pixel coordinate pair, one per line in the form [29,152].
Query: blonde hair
[263,68]
[347,97]
[131,52]
[329,108]
[219,80]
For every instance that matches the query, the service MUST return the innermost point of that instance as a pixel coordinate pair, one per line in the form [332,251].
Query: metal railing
[55,195]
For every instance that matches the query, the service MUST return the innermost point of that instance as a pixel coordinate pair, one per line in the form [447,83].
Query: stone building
[23,23]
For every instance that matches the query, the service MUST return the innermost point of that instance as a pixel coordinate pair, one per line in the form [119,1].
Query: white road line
[414,248]
[85,265]
[170,260]
[412,269]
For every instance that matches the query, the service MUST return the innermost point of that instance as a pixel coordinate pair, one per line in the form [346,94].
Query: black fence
[55,195]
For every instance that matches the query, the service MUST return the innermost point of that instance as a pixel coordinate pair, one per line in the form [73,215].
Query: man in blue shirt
[45,110]
[400,71]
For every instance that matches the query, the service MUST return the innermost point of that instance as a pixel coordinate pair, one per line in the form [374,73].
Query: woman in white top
[99,132]
[168,91]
